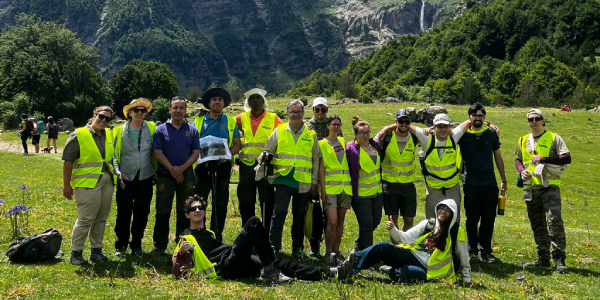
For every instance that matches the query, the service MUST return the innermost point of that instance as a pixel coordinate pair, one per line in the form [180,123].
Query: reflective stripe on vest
[337,175]
[253,144]
[369,177]
[444,168]
[397,167]
[118,143]
[288,153]
[202,265]
[87,169]
[542,148]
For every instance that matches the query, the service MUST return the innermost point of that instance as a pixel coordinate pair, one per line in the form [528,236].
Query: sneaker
[314,252]
[539,263]
[138,252]
[157,252]
[298,254]
[120,252]
[273,276]
[385,270]
[339,256]
[25,153]
[474,258]
[331,259]
[345,268]
[490,258]
[97,255]
[77,258]
[561,266]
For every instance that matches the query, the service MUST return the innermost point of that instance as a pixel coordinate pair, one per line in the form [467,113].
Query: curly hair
[192,199]
[358,122]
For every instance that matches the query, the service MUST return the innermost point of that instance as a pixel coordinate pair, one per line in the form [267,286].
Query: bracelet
[503,181]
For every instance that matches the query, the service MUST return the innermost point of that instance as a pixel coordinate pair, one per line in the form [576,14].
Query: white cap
[255,91]
[320,101]
[441,119]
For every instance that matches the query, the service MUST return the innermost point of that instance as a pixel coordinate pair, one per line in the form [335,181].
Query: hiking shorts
[35,139]
[400,199]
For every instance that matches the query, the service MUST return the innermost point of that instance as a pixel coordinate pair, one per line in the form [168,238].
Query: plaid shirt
[320,128]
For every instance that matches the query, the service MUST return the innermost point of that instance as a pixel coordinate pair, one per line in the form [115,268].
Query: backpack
[37,248]
[429,150]
[53,129]
[41,126]
[453,236]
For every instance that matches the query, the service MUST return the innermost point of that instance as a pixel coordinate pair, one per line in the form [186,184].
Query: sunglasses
[139,110]
[324,110]
[196,208]
[480,116]
[103,117]
[444,208]
[403,122]
[536,119]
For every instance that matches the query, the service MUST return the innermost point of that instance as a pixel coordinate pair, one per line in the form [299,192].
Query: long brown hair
[438,237]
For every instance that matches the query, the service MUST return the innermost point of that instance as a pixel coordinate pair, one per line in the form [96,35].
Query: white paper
[213,148]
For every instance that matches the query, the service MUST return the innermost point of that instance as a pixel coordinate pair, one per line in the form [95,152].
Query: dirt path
[16,147]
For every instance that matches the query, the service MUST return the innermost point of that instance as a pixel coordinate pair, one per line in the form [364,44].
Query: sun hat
[320,101]
[441,119]
[255,91]
[216,92]
[135,103]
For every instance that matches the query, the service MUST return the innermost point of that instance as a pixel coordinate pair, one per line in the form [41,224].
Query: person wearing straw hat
[134,166]
[216,123]
[256,125]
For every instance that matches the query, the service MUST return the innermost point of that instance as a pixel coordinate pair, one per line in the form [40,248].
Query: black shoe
[157,252]
[274,276]
[561,266]
[120,252]
[314,252]
[97,255]
[539,263]
[345,268]
[297,254]
[474,258]
[138,252]
[77,258]
[490,258]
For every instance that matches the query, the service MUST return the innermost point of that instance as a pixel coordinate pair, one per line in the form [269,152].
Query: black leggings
[24,138]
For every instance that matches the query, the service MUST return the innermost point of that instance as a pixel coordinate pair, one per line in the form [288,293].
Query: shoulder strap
[415,139]
[386,140]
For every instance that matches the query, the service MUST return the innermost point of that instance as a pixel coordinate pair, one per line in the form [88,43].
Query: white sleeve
[458,133]
[463,255]
[410,236]
[424,139]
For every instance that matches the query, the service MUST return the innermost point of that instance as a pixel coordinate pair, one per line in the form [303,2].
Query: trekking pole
[213,166]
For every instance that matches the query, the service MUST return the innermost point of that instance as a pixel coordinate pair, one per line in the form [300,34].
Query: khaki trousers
[93,208]
[435,196]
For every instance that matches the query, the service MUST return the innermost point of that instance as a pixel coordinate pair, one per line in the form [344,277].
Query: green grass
[150,278]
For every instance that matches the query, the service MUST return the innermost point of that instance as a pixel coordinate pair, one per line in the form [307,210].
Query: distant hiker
[541,156]
[88,179]
[216,123]
[134,165]
[52,130]
[25,132]
[257,124]
[35,134]
[176,147]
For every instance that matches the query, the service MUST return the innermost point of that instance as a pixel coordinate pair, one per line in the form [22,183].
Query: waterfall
[422,16]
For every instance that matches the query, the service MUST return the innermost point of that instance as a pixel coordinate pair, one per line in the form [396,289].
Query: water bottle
[501,204]
[527,189]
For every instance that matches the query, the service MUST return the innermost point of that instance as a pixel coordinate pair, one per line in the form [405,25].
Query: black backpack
[37,248]
[430,148]
[453,236]
[53,129]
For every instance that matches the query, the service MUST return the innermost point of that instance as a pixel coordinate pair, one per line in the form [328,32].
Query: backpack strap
[386,140]
[429,150]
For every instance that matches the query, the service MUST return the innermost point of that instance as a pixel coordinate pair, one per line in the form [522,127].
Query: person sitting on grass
[425,253]
[199,251]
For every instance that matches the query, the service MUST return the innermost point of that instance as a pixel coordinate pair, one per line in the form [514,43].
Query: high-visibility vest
[202,266]
[542,148]
[398,167]
[230,127]
[445,168]
[369,176]
[118,143]
[291,154]
[87,169]
[337,175]
[253,144]
[440,264]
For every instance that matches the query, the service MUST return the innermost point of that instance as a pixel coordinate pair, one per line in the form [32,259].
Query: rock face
[66,124]
[249,41]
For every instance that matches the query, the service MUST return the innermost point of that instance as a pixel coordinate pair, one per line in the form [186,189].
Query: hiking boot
[157,252]
[97,256]
[561,266]
[540,262]
[331,259]
[345,268]
[298,254]
[138,252]
[490,258]
[385,270]
[120,252]
[474,258]
[271,275]
[77,258]
[339,256]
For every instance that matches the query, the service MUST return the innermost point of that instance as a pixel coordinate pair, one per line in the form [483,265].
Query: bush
[160,110]
[10,111]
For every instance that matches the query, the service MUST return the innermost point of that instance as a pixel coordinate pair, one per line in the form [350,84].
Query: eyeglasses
[103,117]
[335,124]
[480,116]
[364,133]
[297,112]
[318,110]
[536,119]
[403,122]
[444,208]
[196,208]
[139,110]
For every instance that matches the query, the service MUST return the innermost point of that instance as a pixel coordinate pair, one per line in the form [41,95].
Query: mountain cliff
[248,42]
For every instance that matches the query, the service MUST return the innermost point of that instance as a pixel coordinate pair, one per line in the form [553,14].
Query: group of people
[302,163]
[32,128]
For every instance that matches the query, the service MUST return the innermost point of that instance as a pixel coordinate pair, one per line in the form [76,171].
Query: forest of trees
[524,53]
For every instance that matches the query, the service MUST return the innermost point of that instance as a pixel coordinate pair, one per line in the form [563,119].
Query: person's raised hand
[389,224]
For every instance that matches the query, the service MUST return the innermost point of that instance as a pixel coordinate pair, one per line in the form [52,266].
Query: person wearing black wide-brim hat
[216,123]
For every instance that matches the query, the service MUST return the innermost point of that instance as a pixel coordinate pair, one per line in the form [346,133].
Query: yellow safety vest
[202,265]
[337,176]
[230,127]
[291,154]
[369,176]
[253,144]
[450,163]
[87,169]
[118,143]
[398,167]
[542,148]
[440,264]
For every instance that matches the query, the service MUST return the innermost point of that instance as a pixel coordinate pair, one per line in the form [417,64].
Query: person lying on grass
[199,251]
[425,253]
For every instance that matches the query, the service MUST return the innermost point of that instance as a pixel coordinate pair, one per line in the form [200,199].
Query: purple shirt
[353,157]
[177,145]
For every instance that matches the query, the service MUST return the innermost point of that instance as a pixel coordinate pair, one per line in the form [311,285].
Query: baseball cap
[441,119]
[402,113]
[320,101]
[535,111]
[23,115]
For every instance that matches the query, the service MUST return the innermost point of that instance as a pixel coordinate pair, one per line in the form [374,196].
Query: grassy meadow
[147,277]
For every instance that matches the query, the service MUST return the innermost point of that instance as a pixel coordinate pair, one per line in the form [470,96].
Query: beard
[477,123]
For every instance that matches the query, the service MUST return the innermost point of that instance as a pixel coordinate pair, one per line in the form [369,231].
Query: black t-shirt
[214,250]
[478,155]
